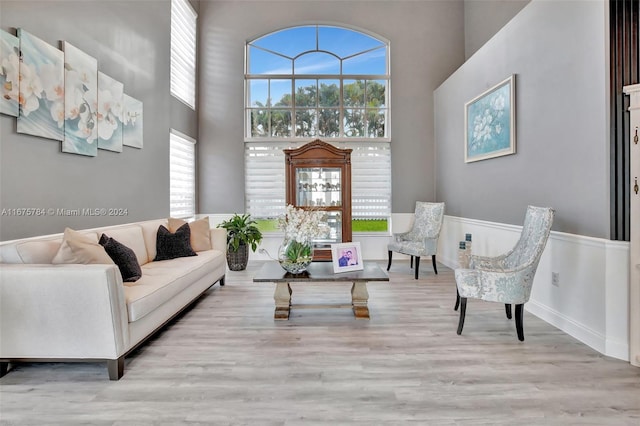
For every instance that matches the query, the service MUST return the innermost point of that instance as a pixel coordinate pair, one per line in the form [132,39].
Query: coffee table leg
[359,298]
[282,297]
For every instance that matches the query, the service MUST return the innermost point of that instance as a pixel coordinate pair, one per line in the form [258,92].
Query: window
[182,175]
[183,52]
[317,81]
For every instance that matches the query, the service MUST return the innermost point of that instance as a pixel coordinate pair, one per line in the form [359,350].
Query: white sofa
[69,312]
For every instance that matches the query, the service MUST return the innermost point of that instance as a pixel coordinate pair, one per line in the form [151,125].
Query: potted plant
[241,233]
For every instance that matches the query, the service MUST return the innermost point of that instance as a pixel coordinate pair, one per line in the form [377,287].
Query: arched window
[318,81]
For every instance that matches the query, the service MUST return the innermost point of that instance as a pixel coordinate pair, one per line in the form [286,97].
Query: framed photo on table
[346,257]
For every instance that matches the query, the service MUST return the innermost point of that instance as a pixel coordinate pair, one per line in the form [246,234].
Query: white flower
[302,225]
[30,89]
[107,121]
[499,102]
[57,112]
[52,83]
[9,68]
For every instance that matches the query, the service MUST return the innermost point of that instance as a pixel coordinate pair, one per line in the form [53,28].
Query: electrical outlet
[555,279]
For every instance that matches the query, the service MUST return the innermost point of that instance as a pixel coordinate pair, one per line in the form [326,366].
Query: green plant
[241,230]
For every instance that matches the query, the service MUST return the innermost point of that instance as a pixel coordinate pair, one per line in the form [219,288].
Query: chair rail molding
[590,300]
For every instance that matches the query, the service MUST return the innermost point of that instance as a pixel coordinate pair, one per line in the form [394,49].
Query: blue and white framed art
[132,125]
[9,72]
[41,88]
[81,102]
[110,109]
[490,123]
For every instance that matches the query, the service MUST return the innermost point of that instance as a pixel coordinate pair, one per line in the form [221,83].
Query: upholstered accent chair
[422,239]
[507,278]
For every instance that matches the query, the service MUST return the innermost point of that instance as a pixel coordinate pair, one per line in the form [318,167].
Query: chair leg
[389,264]
[455,308]
[463,311]
[417,266]
[411,262]
[519,318]
[507,307]
[433,260]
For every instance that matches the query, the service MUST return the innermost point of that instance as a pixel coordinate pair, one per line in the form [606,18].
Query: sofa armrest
[218,239]
[62,311]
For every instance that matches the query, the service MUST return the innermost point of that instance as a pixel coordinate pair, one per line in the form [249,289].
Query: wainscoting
[590,303]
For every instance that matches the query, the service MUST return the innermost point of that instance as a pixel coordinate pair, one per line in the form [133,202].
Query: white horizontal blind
[265,179]
[183,52]
[182,175]
[370,178]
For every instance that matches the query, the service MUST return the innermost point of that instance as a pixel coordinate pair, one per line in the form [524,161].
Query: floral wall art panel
[41,88]
[490,126]
[132,125]
[110,110]
[81,102]
[9,72]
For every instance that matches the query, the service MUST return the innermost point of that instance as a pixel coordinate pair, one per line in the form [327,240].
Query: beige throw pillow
[79,248]
[200,237]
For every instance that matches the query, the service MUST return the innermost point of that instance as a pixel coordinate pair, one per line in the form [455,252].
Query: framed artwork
[41,88]
[490,123]
[9,71]
[81,102]
[110,109]
[132,125]
[346,257]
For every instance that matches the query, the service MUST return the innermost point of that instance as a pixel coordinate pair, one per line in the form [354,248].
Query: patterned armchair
[422,240]
[507,278]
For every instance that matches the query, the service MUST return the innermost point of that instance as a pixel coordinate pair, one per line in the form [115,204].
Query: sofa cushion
[124,257]
[200,238]
[150,233]
[131,236]
[80,248]
[34,252]
[161,281]
[173,245]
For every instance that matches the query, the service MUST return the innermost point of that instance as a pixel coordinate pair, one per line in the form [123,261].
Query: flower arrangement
[300,226]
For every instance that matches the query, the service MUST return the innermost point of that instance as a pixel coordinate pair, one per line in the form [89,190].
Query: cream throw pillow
[200,237]
[79,248]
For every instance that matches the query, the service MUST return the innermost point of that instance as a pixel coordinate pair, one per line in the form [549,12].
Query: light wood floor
[226,362]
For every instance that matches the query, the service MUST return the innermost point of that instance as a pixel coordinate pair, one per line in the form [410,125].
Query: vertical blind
[370,178]
[183,52]
[182,175]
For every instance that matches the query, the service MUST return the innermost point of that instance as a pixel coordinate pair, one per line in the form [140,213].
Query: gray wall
[131,40]
[559,54]
[484,18]
[427,45]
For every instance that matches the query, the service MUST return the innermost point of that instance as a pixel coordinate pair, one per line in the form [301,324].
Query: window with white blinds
[183,52]
[370,179]
[182,175]
[318,81]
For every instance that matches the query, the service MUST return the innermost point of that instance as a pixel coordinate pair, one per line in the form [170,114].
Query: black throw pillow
[171,246]
[122,256]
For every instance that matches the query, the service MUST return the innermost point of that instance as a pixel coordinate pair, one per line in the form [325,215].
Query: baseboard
[586,335]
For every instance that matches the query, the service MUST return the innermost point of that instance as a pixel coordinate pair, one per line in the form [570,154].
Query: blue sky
[292,42]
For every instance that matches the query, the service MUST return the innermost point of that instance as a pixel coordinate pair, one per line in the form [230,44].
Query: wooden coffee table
[320,272]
